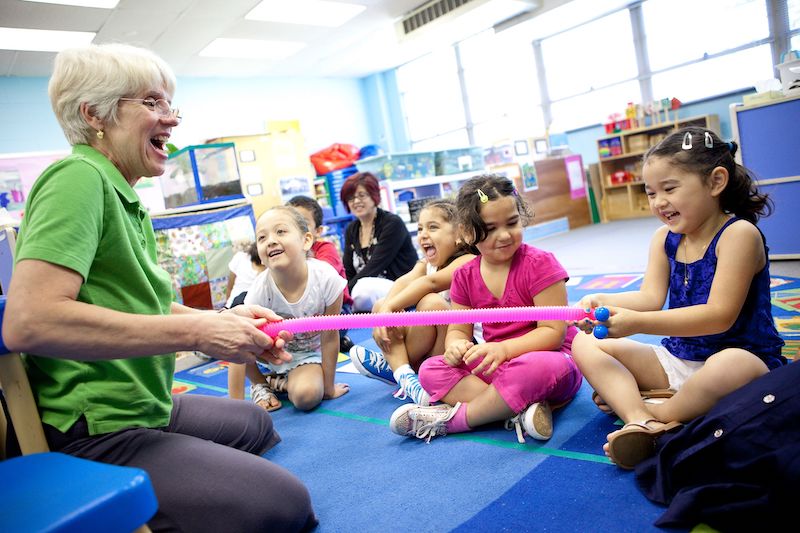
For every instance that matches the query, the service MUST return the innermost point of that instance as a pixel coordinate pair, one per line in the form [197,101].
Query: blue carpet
[364,478]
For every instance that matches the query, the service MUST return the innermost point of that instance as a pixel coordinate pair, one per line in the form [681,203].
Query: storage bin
[399,166]
[789,69]
[459,160]
[638,143]
[201,174]
[335,180]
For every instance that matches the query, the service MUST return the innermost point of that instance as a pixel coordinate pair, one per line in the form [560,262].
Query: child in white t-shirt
[293,286]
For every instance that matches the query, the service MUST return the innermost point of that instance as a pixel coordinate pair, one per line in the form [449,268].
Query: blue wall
[329,110]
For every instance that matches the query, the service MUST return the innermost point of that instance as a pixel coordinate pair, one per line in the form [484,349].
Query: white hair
[100,75]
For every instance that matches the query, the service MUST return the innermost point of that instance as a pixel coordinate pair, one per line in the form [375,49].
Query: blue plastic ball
[602,314]
[600,331]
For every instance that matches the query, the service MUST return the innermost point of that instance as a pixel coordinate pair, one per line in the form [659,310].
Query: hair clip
[687,141]
[514,192]
[708,140]
[482,196]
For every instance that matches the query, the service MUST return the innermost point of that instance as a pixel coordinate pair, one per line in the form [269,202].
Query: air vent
[429,12]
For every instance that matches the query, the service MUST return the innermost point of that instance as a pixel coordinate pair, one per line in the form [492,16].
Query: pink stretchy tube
[428,318]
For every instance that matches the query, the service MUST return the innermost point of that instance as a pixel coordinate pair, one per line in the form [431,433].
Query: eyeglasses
[160,106]
[358,196]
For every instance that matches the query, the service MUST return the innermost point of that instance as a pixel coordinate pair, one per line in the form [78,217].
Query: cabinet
[770,148]
[401,196]
[620,165]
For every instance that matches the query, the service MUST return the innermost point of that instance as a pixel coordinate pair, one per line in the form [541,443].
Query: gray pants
[205,467]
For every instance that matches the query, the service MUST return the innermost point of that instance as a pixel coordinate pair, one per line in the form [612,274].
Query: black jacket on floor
[738,467]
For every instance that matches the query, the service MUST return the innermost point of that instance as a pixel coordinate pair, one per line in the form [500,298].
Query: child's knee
[306,396]
[432,302]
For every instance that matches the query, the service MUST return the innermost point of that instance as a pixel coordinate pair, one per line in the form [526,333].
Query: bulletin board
[195,248]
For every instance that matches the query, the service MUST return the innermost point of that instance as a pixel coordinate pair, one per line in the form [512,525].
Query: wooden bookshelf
[620,165]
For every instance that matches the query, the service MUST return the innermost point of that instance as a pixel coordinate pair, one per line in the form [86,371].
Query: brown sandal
[635,442]
[649,396]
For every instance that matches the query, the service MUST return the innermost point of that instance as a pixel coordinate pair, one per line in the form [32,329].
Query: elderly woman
[377,245]
[93,313]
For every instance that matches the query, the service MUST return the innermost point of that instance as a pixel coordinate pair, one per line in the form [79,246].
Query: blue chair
[47,491]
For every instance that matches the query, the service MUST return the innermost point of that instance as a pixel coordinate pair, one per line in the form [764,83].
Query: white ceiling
[178,30]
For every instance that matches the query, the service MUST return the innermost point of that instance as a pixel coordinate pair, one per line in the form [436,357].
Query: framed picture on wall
[521,147]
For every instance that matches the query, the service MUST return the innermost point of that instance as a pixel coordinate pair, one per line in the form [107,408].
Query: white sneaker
[535,420]
[413,420]
[411,388]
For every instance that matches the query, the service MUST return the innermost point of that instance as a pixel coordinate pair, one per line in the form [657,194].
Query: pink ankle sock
[458,424]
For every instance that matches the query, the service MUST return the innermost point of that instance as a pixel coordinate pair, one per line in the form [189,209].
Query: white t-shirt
[324,286]
[245,273]
[430,269]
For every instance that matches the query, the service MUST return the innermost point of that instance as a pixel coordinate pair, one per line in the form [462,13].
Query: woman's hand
[339,389]
[493,353]
[454,354]
[234,335]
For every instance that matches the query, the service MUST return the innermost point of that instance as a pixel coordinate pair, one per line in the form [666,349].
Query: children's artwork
[788,300]
[528,170]
[294,185]
[577,181]
[196,247]
[611,281]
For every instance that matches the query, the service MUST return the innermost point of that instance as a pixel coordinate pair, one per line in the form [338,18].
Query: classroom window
[431,95]
[679,31]
[590,56]
[715,76]
[500,77]
[593,107]
[443,141]
[793,7]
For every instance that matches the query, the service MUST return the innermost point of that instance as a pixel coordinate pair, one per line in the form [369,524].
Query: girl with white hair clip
[93,313]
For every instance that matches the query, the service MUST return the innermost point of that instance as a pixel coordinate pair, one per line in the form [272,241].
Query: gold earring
[100,134]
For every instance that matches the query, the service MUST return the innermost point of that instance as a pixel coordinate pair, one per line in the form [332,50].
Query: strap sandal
[264,397]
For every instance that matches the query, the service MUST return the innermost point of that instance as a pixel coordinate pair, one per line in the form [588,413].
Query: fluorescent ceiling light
[42,40]
[305,12]
[251,48]
[104,4]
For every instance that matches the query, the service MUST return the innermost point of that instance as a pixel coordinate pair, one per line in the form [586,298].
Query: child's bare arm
[400,285]
[424,285]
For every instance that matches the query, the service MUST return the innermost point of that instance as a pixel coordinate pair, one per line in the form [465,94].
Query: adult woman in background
[91,308]
[377,245]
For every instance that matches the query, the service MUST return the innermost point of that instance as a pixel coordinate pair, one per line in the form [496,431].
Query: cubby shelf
[620,165]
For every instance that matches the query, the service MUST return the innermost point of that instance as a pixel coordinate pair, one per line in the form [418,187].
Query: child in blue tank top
[710,258]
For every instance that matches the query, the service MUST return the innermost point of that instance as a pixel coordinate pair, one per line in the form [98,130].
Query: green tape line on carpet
[532,448]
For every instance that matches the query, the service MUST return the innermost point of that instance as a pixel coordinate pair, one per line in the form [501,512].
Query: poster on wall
[294,185]
[530,182]
[577,185]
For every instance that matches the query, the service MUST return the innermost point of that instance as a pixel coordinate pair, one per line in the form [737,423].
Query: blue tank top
[754,330]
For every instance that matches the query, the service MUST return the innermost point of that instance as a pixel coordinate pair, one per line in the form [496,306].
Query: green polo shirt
[81,214]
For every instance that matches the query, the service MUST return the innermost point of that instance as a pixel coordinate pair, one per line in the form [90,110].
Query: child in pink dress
[523,369]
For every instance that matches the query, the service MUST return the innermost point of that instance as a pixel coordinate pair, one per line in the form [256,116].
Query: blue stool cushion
[58,492]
